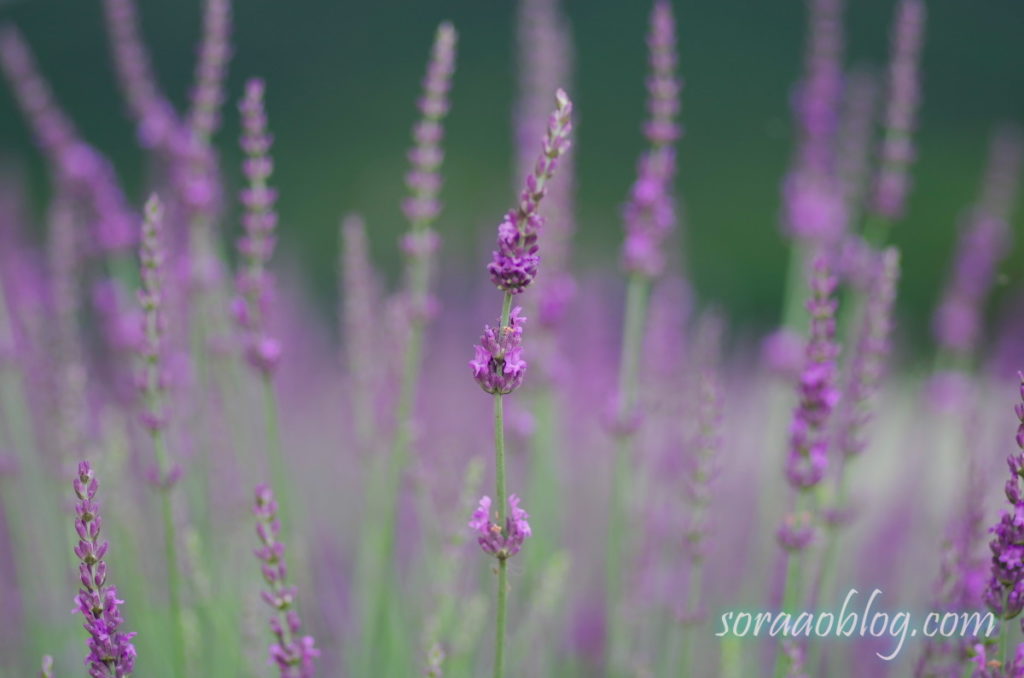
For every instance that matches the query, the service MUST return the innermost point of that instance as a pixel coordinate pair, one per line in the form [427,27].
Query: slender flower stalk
[807,460]
[892,184]
[498,366]
[254,283]
[111,652]
[153,384]
[211,70]
[649,218]
[294,654]
[421,242]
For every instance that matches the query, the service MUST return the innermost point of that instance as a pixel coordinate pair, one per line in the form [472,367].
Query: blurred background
[343,77]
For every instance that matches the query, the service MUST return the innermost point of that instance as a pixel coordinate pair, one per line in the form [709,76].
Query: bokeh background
[343,77]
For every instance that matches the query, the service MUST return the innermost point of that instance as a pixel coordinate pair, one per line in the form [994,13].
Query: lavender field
[544,462]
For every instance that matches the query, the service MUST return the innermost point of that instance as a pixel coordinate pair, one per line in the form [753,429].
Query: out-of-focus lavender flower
[983,242]
[254,283]
[1005,592]
[294,654]
[111,652]
[83,172]
[152,256]
[211,69]
[501,542]
[650,213]
[514,263]
[782,352]
[498,366]
[869,355]
[545,63]
[897,152]
[158,124]
[807,459]
[805,466]
[814,204]
[989,666]
[47,667]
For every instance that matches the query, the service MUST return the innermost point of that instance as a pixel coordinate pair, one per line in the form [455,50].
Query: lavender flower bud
[498,366]
[211,70]
[254,283]
[514,264]
[152,255]
[897,151]
[292,653]
[501,542]
[47,667]
[111,652]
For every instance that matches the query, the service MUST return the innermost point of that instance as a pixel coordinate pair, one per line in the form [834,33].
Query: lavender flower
[152,253]
[514,264]
[255,286]
[293,654]
[211,70]
[649,214]
[813,197]
[1005,592]
[870,353]
[80,169]
[47,667]
[805,466]
[983,242]
[501,542]
[158,124]
[111,653]
[498,366]
[897,151]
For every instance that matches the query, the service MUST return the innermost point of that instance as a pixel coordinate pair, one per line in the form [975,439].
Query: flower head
[498,365]
[294,654]
[514,263]
[501,542]
[111,653]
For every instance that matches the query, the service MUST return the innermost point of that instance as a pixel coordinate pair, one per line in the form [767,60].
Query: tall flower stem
[170,555]
[637,297]
[499,479]
[275,451]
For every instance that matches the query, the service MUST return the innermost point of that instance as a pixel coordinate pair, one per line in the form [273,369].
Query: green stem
[635,318]
[171,558]
[275,451]
[499,479]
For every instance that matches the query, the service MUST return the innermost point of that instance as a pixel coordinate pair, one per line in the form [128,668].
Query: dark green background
[343,77]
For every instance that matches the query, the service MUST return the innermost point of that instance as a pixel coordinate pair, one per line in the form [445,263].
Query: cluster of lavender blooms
[111,652]
[500,541]
[514,263]
[689,473]
[293,653]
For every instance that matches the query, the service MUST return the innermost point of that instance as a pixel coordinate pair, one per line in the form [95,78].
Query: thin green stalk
[793,315]
[694,590]
[275,451]
[790,590]
[499,477]
[635,318]
[178,662]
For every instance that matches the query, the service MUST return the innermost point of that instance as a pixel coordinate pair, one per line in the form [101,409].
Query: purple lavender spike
[81,170]
[498,366]
[984,240]
[254,282]
[869,356]
[649,215]
[496,540]
[897,152]
[211,70]
[813,197]
[157,122]
[514,264]
[46,670]
[111,652]
[807,460]
[294,654]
